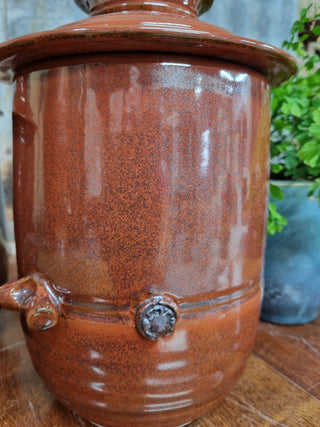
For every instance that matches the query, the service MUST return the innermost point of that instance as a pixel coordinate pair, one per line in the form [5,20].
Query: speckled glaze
[140,179]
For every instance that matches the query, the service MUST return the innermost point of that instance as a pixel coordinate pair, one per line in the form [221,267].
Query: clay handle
[33,296]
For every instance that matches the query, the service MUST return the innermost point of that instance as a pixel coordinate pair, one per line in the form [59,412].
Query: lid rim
[179,36]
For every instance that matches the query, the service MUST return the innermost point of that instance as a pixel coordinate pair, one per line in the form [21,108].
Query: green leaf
[296,110]
[295,114]
[279,124]
[272,208]
[291,160]
[304,13]
[275,168]
[276,221]
[316,116]
[316,31]
[271,228]
[285,108]
[314,129]
[303,101]
[313,189]
[310,153]
[309,65]
[303,38]
[275,191]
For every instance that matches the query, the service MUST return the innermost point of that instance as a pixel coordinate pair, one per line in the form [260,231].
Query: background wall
[265,20]
[268,21]
[305,3]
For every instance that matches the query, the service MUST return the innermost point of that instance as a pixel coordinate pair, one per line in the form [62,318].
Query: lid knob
[177,7]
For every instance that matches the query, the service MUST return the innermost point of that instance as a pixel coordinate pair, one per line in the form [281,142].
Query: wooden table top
[280,386]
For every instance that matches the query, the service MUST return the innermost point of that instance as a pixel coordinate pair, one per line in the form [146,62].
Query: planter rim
[291,183]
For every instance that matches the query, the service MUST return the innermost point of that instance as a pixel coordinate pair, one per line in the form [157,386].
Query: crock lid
[145,27]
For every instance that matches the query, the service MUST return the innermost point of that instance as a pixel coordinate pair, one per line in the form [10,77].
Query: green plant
[295,118]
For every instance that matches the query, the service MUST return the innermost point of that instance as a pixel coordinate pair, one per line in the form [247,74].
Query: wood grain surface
[280,386]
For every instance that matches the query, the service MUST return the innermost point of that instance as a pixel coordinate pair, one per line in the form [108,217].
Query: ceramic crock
[292,268]
[141,139]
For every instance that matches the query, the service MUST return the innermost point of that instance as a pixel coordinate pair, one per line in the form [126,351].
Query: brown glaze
[140,185]
[109,374]
[34,297]
[187,7]
[146,31]
[267,394]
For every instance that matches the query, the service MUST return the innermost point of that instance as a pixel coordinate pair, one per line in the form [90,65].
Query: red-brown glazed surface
[33,296]
[111,375]
[140,188]
[146,175]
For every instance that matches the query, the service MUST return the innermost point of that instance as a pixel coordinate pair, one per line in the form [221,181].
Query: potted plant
[292,270]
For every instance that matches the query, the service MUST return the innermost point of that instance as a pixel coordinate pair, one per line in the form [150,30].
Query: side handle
[33,296]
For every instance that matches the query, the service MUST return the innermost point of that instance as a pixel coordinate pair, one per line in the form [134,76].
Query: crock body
[141,176]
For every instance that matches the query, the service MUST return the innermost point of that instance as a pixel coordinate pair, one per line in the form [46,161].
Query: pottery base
[111,375]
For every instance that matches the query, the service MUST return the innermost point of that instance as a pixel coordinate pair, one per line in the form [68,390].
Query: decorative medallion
[156,317]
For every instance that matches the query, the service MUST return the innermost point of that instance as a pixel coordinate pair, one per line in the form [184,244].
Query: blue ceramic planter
[292,269]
